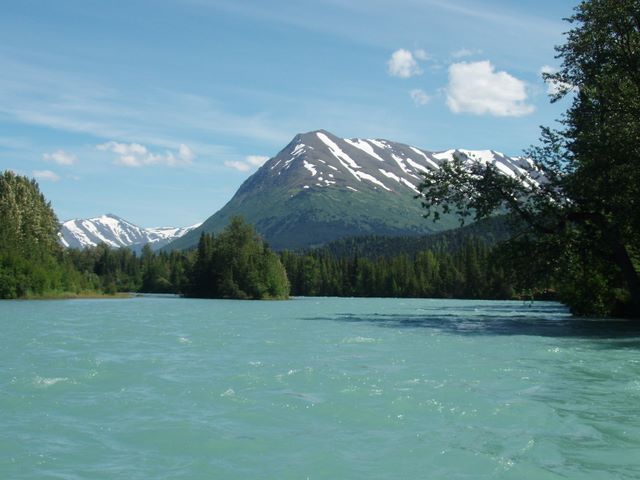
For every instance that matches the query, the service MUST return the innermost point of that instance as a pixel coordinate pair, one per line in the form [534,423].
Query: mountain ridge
[116,232]
[320,187]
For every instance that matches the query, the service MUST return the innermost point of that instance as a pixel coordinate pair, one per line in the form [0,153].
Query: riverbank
[77,296]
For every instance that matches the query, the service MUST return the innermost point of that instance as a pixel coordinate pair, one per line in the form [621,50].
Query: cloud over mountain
[250,162]
[477,88]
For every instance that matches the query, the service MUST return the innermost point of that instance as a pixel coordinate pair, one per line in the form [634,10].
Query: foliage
[582,222]
[471,271]
[489,231]
[237,264]
[30,257]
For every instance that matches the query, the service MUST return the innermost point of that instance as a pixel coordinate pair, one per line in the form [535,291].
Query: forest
[238,264]
[485,260]
[33,264]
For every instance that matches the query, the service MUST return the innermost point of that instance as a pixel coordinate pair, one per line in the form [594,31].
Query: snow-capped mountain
[116,232]
[321,187]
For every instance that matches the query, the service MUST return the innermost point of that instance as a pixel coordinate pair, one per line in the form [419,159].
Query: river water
[318,388]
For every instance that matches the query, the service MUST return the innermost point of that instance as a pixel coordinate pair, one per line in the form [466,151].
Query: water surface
[318,388]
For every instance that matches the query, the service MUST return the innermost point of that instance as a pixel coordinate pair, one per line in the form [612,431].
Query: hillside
[320,188]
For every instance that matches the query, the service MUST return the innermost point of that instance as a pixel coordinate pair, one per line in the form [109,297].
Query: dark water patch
[622,333]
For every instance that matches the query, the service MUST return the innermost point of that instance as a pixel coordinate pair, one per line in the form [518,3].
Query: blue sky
[158,110]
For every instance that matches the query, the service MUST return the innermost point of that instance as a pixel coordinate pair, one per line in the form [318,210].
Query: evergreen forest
[238,264]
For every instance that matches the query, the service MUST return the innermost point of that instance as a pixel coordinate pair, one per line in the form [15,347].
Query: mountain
[116,232]
[321,188]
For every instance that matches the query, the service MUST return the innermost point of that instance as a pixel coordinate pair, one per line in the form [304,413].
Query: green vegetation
[472,271]
[489,231]
[293,218]
[236,264]
[577,234]
[583,226]
[31,261]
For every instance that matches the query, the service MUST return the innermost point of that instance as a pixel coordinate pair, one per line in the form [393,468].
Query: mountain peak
[321,187]
[116,232]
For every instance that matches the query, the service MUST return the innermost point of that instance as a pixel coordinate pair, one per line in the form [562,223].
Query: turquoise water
[318,388]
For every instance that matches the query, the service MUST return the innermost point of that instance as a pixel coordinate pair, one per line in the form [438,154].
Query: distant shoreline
[78,296]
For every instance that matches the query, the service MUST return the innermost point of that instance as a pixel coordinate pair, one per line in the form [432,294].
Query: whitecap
[359,340]
[47,382]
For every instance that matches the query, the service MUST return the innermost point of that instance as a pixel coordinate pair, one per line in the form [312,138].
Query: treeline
[238,264]
[473,271]
[32,263]
[489,231]
[235,264]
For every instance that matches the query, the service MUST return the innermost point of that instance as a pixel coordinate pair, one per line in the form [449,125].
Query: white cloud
[60,157]
[419,97]
[47,175]
[250,162]
[237,165]
[256,160]
[477,88]
[555,87]
[136,155]
[402,64]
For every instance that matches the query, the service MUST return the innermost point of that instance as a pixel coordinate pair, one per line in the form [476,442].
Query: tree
[582,220]
[29,249]
[236,264]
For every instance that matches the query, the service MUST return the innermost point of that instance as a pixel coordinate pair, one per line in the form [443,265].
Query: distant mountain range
[116,232]
[320,188]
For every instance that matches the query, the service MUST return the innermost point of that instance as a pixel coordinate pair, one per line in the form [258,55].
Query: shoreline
[78,296]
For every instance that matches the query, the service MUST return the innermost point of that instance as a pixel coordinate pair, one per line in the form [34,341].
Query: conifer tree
[582,223]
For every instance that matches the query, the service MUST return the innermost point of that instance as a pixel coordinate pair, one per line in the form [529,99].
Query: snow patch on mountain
[354,161]
[372,179]
[311,168]
[339,154]
[116,233]
[364,146]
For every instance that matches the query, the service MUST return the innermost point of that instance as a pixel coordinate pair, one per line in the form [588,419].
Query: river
[317,388]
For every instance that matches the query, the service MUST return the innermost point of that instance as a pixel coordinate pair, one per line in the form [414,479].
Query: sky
[157,110]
